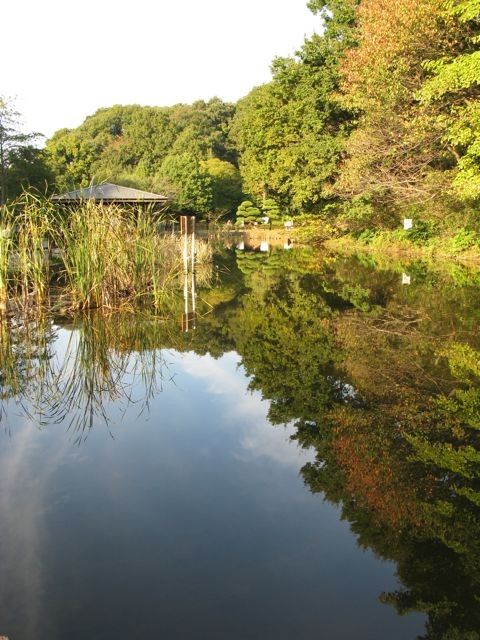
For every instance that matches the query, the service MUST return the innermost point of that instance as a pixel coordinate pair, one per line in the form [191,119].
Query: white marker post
[187,228]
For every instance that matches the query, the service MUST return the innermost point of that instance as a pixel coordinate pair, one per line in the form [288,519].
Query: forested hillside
[183,151]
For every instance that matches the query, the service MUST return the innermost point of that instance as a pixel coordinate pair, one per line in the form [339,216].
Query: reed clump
[90,255]
[25,236]
[5,257]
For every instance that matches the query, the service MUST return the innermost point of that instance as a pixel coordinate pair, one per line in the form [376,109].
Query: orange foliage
[395,37]
[377,476]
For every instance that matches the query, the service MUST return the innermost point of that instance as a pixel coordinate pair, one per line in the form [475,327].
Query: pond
[292,451]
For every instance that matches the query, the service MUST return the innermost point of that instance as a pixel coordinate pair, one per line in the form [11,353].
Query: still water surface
[266,475]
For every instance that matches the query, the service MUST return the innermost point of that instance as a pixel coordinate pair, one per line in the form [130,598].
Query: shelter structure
[108,193]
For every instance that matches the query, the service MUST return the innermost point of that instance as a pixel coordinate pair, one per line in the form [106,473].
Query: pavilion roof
[108,192]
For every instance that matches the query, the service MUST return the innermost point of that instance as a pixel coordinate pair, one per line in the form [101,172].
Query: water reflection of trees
[384,382]
[105,360]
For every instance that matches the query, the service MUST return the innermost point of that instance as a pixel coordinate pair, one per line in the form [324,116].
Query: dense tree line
[376,116]
[184,151]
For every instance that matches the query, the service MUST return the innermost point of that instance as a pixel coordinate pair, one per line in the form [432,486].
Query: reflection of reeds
[25,359]
[89,376]
[109,361]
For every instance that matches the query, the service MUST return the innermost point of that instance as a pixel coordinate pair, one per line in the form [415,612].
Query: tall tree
[290,132]
[187,182]
[396,154]
[454,87]
[13,145]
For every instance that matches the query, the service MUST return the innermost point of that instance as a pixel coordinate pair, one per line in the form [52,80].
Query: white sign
[407,223]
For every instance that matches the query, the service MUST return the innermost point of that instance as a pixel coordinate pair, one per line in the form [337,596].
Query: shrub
[464,240]
[248,212]
[421,231]
[367,236]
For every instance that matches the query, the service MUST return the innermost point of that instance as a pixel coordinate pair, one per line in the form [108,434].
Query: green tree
[454,85]
[70,156]
[27,169]
[290,132]
[271,209]
[18,158]
[248,212]
[188,182]
[226,185]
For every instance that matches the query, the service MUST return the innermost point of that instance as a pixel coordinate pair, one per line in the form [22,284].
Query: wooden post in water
[193,243]
[187,228]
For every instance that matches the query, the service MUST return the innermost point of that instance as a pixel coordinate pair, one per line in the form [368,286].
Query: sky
[64,59]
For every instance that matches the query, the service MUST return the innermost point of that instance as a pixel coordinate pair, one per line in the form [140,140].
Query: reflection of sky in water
[243,411]
[191,521]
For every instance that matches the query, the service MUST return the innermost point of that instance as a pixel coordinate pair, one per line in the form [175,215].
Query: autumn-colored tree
[396,154]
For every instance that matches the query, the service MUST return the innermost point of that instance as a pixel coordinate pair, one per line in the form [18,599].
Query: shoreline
[349,245]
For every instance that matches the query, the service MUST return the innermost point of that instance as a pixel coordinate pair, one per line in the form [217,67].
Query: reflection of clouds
[23,501]
[21,514]
[244,409]
[220,374]
[274,442]
[66,344]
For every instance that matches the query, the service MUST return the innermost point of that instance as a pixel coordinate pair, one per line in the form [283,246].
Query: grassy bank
[461,246]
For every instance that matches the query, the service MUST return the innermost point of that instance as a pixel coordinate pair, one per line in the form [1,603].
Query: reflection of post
[185,295]
[193,292]
[187,227]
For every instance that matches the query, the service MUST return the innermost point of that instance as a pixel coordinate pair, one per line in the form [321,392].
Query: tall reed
[111,256]
[34,221]
[91,255]
[6,244]
[108,256]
